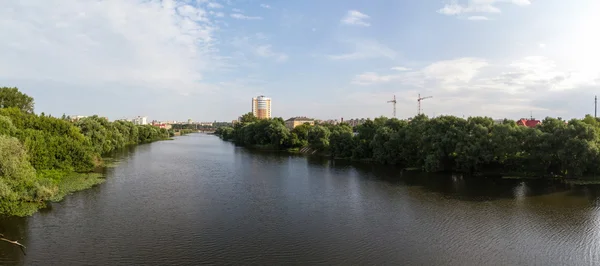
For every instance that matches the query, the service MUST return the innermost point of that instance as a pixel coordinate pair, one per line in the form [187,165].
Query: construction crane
[420,99]
[394,102]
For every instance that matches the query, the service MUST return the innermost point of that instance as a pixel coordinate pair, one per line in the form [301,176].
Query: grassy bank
[55,185]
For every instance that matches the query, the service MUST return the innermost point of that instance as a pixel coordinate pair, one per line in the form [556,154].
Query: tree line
[37,151]
[477,145]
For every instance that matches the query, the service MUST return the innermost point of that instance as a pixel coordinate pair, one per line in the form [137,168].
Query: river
[199,200]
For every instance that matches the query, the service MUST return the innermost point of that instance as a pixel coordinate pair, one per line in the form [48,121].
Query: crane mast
[394,103]
[420,99]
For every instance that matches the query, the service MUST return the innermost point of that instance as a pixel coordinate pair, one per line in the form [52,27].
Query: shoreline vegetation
[45,158]
[476,146]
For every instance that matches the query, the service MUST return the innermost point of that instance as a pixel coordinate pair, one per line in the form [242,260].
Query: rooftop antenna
[420,99]
[394,102]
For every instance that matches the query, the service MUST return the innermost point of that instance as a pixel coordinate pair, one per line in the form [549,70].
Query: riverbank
[307,151]
[65,185]
[43,158]
[58,185]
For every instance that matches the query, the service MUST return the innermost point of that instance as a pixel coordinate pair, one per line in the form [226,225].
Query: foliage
[12,97]
[18,182]
[446,143]
[39,154]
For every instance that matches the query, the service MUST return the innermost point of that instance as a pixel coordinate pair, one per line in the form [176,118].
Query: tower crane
[394,102]
[420,99]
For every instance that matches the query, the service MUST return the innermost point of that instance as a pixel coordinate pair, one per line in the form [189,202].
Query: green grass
[60,184]
[76,182]
[583,181]
[110,162]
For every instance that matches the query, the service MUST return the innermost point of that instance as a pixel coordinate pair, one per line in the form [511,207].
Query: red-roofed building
[528,122]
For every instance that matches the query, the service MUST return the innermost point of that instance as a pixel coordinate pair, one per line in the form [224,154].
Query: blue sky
[206,59]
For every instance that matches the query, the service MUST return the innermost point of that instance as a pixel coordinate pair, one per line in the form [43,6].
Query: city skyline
[174,60]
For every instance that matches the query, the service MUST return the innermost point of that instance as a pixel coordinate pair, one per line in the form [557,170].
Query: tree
[18,181]
[318,138]
[340,141]
[12,97]
[6,126]
[248,118]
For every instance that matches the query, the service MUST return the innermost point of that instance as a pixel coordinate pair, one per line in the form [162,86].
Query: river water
[198,200]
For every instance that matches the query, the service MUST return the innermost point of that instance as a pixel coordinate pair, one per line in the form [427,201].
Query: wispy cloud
[265,6]
[478,18]
[216,14]
[529,74]
[356,18]
[366,49]
[370,78]
[400,68]
[237,10]
[128,43]
[477,6]
[214,5]
[244,17]
[266,51]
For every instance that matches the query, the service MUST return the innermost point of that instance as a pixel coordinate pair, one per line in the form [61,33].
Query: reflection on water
[200,200]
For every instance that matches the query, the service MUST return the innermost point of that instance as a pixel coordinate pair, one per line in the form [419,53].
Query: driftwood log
[15,242]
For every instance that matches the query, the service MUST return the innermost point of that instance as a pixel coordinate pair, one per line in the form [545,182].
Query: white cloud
[476,86]
[217,14]
[357,18]
[448,74]
[265,6]
[542,45]
[149,44]
[214,5]
[266,51]
[478,18]
[242,16]
[237,10]
[366,49]
[400,68]
[369,78]
[452,74]
[478,6]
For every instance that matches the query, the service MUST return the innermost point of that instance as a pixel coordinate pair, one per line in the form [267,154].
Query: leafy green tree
[6,126]
[249,118]
[318,138]
[18,182]
[340,141]
[12,97]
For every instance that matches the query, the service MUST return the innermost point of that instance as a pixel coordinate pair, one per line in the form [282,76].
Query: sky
[205,59]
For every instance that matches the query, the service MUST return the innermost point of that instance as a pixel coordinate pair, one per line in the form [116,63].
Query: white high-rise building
[140,120]
[261,107]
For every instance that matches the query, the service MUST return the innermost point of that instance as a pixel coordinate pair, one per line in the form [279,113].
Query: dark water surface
[197,200]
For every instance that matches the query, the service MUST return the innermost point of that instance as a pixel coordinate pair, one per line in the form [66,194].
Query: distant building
[163,125]
[528,122]
[261,107]
[329,121]
[355,122]
[296,121]
[76,118]
[140,120]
